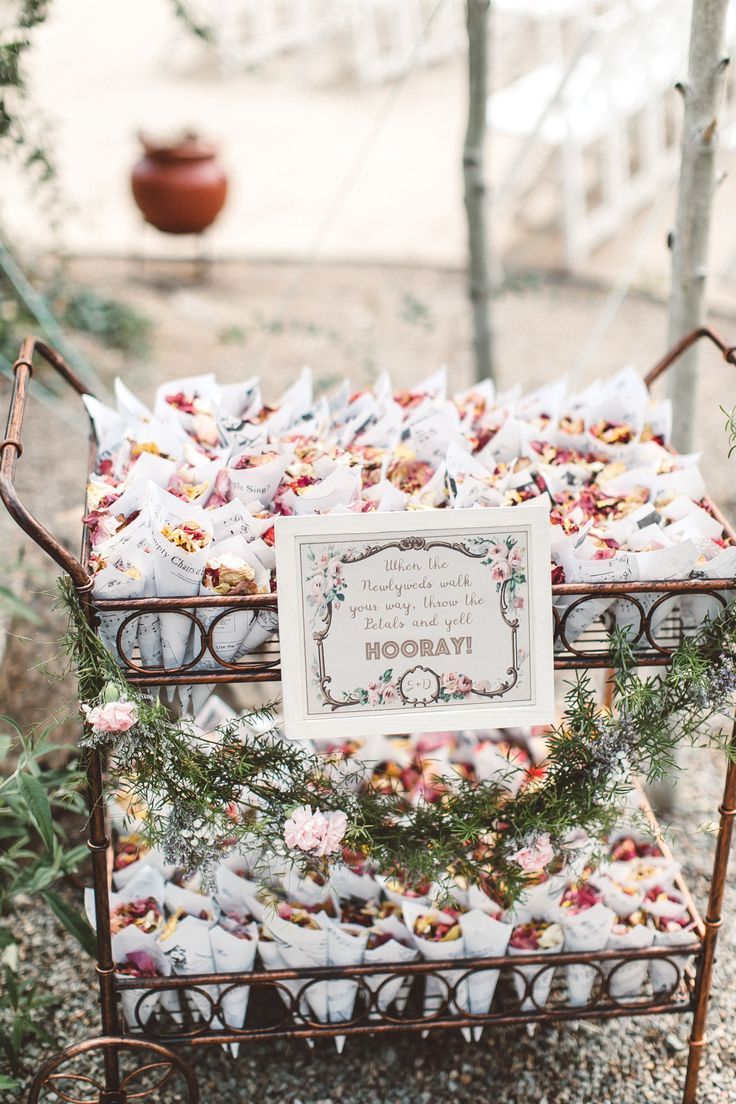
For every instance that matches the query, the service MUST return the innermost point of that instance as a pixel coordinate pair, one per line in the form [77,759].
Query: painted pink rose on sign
[500,571]
[450,682]
[317,586]
[390,694]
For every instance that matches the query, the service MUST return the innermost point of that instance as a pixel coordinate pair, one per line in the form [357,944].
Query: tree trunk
[479,280]
[702,95]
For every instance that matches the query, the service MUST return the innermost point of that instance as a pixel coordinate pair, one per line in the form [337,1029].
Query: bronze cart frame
[154,1044]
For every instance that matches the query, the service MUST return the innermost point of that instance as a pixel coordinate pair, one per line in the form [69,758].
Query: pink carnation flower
[115,716]
[305,828]
[534,858]
[316,832]
[331,841]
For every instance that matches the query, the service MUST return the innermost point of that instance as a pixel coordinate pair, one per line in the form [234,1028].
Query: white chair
[251,32]
[389,36]
[604,112]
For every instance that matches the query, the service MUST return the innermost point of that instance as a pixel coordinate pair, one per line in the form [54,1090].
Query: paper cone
[237,894]
[387,988]
[129,940]
[347,884]
[133,544]
[270,955]
[232,627]
[299,948]
[645,873]
[259,483]
[345,947]
[113,582]
[661,973]
[541,987]
[178,573]
[233,955]
[540,901]
[197,905]
[485,937]
[585,931]
[621,902]
[147,882]
[191,953]
[437,989]
[628,978]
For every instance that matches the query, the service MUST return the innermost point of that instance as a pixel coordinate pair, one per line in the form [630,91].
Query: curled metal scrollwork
[354,999]
[152,1067]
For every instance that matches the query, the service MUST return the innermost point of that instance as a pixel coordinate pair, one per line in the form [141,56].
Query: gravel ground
[408,321]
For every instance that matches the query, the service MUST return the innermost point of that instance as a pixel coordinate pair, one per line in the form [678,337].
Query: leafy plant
[36,848]
[18,1021]
[36,853]
[115,324]
[20,134]
[11,604]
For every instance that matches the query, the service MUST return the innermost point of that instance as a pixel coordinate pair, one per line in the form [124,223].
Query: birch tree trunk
[479,279]
[702,95]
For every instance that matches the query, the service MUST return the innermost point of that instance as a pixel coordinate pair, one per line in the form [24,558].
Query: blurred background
[319,212]
[320,220]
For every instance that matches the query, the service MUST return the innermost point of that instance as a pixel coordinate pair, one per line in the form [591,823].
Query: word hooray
[390,649]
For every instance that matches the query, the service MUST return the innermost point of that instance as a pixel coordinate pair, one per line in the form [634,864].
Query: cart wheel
[150,1068]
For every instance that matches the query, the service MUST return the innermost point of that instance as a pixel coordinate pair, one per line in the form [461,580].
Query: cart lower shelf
[191,1009]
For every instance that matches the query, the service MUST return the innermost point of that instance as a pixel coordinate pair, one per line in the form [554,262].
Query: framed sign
[415,622]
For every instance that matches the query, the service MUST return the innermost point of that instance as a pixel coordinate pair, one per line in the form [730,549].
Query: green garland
[238,788]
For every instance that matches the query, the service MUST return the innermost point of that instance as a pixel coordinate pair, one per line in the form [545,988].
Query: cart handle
[11,449]
[682,346]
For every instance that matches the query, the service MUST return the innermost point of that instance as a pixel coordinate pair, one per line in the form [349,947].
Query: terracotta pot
[179,187]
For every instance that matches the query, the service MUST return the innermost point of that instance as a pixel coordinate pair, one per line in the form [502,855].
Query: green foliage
[18,1016]
[115,324]
[36,800]
[416,313]
[199,29]
[15,320]
[187,781]
[730,416]
[72,920]
[37,852]
[14,606]
[20,136]
[38,806]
